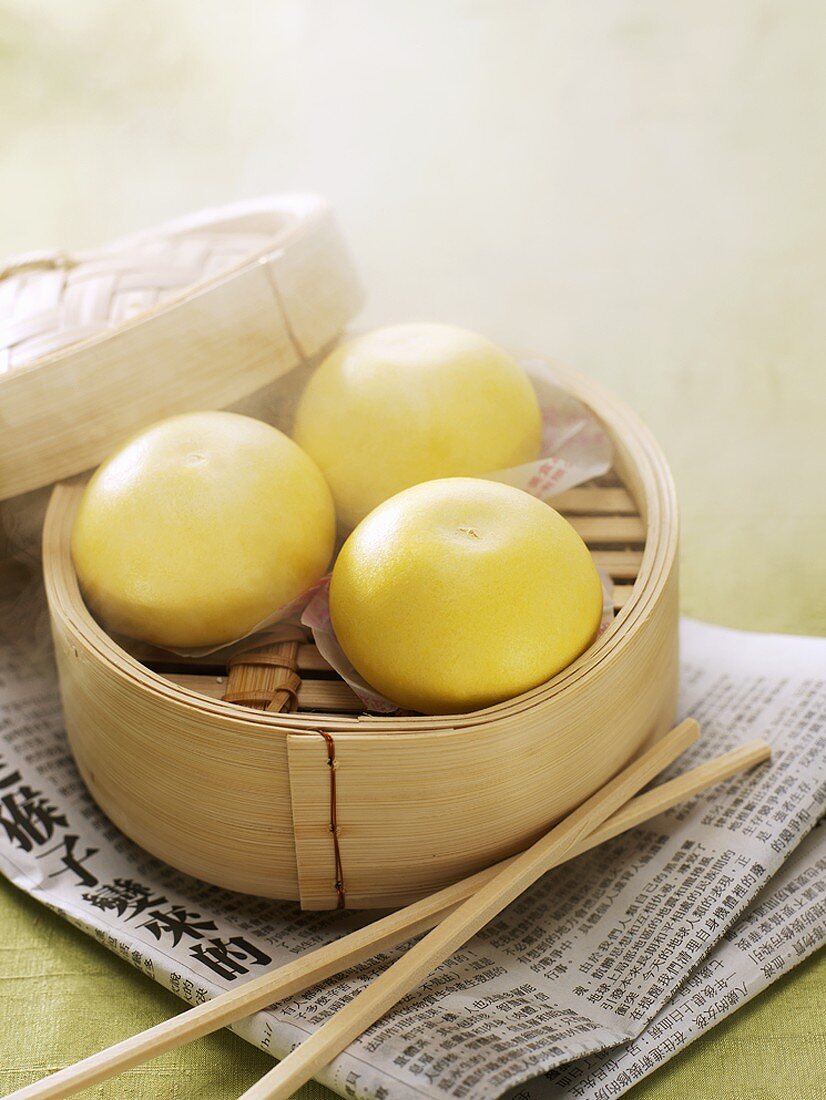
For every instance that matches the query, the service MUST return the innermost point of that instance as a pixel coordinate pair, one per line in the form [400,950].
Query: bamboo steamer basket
[321,804]
[331,807]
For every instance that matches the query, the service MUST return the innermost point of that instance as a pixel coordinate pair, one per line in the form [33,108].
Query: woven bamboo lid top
[194,314]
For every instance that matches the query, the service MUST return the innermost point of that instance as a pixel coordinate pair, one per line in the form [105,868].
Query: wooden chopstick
[382,934]
[457,927]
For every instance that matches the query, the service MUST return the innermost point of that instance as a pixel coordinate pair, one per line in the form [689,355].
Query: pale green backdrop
[634,188]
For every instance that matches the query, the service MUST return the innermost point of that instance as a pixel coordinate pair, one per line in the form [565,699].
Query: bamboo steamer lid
[198,313]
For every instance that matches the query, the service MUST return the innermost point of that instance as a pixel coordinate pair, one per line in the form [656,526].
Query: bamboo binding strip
[196,314]
[419,801]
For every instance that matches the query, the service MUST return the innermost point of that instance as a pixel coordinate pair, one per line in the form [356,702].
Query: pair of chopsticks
[454,914]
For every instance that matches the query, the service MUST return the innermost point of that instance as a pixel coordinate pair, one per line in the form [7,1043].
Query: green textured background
[632,187]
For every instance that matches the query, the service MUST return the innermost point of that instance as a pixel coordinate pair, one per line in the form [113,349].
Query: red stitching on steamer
[332,763]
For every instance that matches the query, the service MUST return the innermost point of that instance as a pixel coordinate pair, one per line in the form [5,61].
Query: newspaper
[785,926]
[605,950]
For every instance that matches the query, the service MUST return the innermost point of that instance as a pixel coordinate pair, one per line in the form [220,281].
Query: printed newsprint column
[596,954]
[786,924]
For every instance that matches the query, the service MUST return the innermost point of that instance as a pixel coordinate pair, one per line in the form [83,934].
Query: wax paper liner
[575,448]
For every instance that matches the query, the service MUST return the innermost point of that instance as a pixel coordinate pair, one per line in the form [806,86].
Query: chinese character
[227,957]
[26,815]
[124,895]
[179,922]
[72,862]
